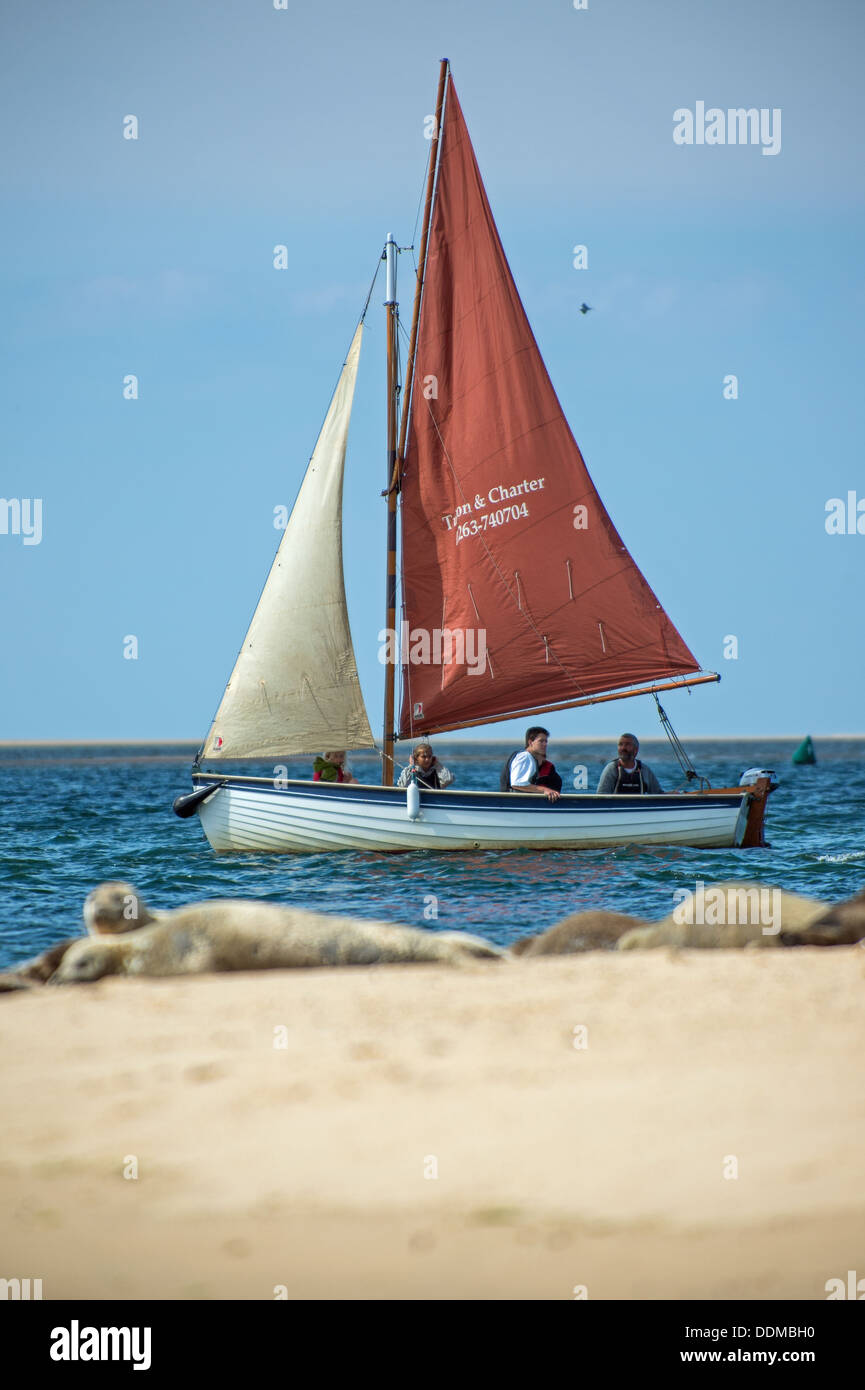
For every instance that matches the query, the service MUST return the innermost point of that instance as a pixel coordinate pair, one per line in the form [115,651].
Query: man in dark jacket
[627,774]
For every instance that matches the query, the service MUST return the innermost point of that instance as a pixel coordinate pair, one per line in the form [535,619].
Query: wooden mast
[390,252]
[396,453]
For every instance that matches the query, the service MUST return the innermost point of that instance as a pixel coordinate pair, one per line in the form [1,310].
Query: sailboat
[518,596]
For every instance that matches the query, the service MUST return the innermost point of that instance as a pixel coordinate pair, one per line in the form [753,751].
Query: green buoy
[805,752]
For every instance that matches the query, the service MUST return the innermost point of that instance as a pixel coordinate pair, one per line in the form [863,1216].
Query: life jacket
[430,778]
[546,775]
[323,771]
[630,781]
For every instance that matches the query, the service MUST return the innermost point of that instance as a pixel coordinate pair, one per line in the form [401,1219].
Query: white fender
[412,800]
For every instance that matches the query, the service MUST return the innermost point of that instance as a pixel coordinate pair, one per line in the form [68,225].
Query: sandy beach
[424,1132]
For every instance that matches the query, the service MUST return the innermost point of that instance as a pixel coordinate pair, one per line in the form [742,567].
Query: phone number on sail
[480,523]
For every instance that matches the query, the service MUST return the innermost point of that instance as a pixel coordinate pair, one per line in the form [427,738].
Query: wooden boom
[586,700]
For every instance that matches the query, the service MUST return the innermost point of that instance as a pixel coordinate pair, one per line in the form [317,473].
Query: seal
[843,924]
[229,934]
[733,915]
[110,909]
[37,971]
[583,931]
[117,907]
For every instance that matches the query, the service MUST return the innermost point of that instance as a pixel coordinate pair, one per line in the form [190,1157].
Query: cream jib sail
[294,688]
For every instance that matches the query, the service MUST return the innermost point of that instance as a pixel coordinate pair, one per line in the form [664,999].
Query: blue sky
[305,127]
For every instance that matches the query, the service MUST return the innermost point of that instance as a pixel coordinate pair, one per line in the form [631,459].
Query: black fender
[185,806]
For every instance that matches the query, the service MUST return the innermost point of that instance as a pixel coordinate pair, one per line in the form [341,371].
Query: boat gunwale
[356,791]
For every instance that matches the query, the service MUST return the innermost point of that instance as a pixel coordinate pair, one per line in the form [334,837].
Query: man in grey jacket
[627,774]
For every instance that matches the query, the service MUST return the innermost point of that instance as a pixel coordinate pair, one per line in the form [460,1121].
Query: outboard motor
[753,774]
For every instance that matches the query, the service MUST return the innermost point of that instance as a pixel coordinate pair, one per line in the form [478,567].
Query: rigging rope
[372,286]
[682,758]
[417,217]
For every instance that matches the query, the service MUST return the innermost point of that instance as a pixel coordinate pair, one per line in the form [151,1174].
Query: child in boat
[331,768]
[427,768]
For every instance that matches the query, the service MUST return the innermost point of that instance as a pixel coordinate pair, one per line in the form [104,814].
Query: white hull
[251,814]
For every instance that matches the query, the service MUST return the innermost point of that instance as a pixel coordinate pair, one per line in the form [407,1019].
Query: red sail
[517,590]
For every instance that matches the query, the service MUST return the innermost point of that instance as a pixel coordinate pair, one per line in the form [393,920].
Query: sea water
[71,817]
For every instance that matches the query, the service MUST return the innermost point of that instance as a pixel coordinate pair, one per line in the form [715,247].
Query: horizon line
[588,738]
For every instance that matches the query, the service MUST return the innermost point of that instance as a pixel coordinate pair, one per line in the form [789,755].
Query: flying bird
[585,308]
